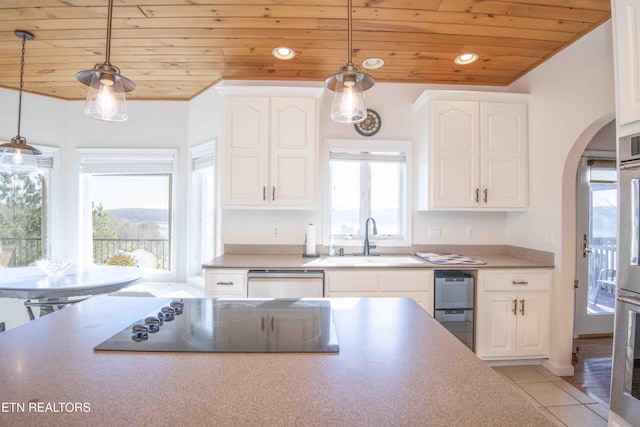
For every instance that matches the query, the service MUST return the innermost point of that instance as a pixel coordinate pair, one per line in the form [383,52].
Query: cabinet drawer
[351,281]
[406,281]
[516,280]
[225,283]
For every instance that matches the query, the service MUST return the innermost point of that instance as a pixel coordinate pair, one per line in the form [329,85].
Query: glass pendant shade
[349,85]
[105,98]
[17,160]
[348,100]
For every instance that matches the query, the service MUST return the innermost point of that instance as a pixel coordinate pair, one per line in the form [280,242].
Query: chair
[606,282]
[6,255]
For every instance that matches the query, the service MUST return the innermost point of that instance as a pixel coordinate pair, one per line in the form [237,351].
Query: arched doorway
[569,214]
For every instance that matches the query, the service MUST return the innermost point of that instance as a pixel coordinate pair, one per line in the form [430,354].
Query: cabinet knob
[273,194]
[484,195]
[519,282]
[264,193]
[515,307]
[229,283]
[477,195]
[522,309]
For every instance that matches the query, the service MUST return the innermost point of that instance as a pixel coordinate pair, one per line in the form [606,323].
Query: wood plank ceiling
[175,49]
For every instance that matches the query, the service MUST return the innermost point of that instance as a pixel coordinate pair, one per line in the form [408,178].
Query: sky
[130,191]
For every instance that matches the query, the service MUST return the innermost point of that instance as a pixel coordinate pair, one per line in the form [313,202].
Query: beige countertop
[299,262]
[386,373]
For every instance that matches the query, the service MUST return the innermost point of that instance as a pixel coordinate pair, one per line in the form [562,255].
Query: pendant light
[17,156]
[106,100]
[349,85]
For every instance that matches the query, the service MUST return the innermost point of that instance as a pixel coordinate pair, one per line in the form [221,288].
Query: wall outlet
[548,237]
[275,231]
[471,232]
[434,232]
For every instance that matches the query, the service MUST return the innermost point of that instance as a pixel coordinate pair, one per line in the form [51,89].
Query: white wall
[572,97]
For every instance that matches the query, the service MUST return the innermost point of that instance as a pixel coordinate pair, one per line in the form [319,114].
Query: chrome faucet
[368,246]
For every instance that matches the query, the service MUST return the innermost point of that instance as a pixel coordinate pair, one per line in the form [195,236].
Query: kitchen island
[396,366]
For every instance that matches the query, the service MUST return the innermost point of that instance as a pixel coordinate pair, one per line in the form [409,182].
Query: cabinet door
[293,152]
[454,137]
[353,282]
[496,329]
[504,155]
[626,19]
[533,324]
[246,147]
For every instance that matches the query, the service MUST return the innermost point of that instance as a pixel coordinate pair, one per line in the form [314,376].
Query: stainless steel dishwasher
[285,284]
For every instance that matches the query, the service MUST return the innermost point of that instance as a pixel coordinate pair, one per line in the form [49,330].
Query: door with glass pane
[596,257]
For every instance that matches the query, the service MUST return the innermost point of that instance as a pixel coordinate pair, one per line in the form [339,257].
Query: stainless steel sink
[364,261]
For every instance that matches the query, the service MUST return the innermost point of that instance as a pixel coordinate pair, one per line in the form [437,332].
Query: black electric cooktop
[251,326]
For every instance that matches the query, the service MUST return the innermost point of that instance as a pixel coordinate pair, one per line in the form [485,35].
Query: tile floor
[561,402]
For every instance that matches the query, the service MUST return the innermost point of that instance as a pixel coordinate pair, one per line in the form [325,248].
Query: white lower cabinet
[226,283]
[513,314]
[392,283]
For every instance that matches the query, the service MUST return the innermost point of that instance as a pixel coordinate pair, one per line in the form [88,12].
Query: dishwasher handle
[285,274]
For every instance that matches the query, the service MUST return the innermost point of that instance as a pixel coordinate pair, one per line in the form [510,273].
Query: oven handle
[630,164]
[629,300]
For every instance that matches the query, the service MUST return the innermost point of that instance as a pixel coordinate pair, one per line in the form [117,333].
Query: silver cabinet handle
[477,195]
[522,309]
[264,192]
[273,194]
[519,282]
[229,283]
[515,307]
[484,195]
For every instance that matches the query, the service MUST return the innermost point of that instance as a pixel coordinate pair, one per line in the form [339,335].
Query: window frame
[195,272]
[51,245]
[404,146]
[139,156]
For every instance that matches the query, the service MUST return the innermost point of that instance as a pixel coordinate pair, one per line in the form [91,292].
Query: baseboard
[560,371]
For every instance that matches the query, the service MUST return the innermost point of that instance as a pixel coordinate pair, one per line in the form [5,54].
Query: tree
[21,205]
[101,223]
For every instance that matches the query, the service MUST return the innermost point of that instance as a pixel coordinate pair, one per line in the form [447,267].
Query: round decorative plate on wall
[370,125]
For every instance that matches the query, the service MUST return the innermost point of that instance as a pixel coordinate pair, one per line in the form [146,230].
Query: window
[368,180]
[24,213]
[203,207]
[128,206]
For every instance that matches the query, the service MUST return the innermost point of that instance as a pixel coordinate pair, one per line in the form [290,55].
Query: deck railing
[159,248]
[21,251]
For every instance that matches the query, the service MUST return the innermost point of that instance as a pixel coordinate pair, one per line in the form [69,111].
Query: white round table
[31,283]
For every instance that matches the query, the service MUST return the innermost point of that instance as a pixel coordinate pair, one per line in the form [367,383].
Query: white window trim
[129,154]
[195,272]
[375,145]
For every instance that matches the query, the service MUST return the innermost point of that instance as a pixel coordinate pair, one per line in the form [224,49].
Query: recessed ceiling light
[466,58]
[283,53]
[372,63]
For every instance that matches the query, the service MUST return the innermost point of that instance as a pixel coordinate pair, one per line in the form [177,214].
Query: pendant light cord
[349,31]
[24,41]
[109,18]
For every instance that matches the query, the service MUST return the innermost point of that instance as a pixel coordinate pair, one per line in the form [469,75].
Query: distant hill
[139,215]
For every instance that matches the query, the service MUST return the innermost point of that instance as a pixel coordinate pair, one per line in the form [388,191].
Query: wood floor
[592,369]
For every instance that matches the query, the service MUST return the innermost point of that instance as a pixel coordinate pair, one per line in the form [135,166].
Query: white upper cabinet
[626,21]
[270,147]
[473,151]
